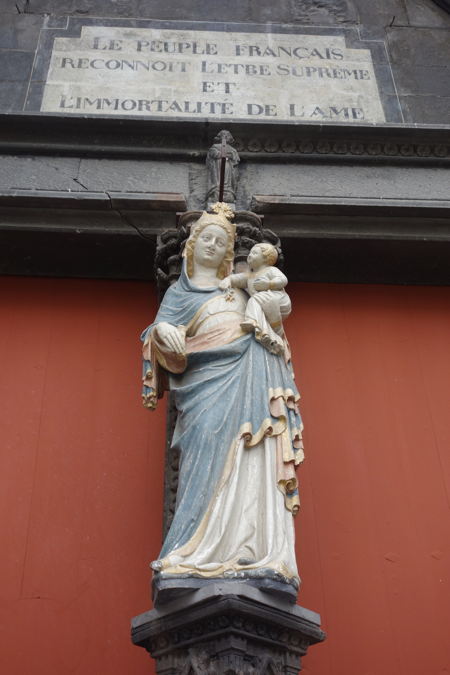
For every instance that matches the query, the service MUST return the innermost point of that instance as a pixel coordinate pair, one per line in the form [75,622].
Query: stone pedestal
[227,628]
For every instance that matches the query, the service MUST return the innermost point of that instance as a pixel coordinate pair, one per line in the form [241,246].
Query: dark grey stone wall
[88,196]
[416,35]
[324,180]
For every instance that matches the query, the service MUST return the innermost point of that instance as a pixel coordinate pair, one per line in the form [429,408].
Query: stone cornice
[93,201]
[112,234]
[97,136]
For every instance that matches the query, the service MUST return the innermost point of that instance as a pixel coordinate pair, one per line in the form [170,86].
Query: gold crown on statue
[219,214]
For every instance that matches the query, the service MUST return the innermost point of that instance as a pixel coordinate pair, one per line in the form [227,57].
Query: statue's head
[264,251]
[220,219]
[224,135]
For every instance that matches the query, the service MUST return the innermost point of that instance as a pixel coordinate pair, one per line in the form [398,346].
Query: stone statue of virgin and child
[218,338]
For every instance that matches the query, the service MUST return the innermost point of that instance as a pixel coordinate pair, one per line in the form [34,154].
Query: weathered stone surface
[39,173]
[319,13]
[15,65]
[198,187]
[19,31]
[131,176]
[375,16]
[203,10]
[12,6]
[237,10]
[12,95]
[426,13]
[306,11]
[382,182]
[426,109]
[429,80]
[418,46]
[313,12]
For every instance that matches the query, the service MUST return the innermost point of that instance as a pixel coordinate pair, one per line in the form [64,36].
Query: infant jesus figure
[265,285]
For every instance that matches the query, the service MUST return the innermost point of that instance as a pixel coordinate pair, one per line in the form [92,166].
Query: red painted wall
[81,468]
[80,477]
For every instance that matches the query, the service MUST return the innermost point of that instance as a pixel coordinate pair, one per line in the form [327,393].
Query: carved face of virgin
[210,247]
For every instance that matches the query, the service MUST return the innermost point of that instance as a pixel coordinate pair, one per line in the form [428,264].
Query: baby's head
[262,255]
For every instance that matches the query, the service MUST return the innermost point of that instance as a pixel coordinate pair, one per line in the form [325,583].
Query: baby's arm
[234,281]
[271,279]
[277,280]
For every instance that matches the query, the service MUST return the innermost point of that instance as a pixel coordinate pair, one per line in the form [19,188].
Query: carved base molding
[227,628]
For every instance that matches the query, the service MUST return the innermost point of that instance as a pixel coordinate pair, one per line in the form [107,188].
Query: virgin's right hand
[173,338]
[225,283]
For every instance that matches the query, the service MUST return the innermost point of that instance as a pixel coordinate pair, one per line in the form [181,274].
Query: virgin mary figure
[238,429]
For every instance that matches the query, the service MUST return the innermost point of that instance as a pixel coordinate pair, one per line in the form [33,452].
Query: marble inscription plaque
[192,74]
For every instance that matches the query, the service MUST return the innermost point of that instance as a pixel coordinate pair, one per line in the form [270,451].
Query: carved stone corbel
[227,628]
